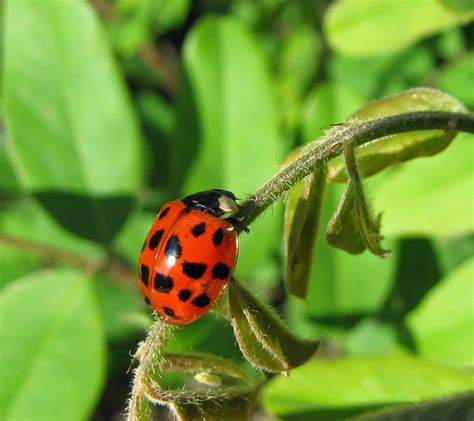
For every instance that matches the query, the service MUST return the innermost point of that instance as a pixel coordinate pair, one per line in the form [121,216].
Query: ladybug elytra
[188,256]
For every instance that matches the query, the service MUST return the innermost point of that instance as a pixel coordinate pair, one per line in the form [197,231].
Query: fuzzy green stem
[332,143]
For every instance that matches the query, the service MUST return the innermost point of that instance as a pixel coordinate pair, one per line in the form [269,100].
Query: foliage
[113,107]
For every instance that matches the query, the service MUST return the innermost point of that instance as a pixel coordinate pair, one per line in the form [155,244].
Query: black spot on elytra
[201,300]
[184,294]
[163,283]
[220,271]
[163,213]
[199,229]
[168,311]
[144,274]
[194,270]
[173,247]
[155,239]
[218,236]
[147,300]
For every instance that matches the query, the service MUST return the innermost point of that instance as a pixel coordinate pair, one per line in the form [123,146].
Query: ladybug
[189,255]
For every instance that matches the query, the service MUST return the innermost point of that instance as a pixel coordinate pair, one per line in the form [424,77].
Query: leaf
[374,156]
[302,214]
[194,363]
[342,285]
[458,6]
[262,337]
[338,389]
[456,77]
[232,405]
[357,210]
[232,399]
[459,407]
[434,205]
[122,309]
[327,103]
[226,111]
[296,66]
[28,224]
[368,28]
[53,366]
[371,336]
[74,140]
[343,229]
[443,324]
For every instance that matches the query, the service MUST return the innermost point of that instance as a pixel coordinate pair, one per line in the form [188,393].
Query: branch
[114,269]
[332,143]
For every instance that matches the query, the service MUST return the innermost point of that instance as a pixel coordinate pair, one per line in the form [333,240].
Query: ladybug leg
[238,224]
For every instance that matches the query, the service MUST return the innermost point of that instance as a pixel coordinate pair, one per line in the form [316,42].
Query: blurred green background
[112,108]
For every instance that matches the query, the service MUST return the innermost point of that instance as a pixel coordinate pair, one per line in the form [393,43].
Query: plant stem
[115,269]
[332,143]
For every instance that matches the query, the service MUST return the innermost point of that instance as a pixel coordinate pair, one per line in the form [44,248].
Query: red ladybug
[188,256]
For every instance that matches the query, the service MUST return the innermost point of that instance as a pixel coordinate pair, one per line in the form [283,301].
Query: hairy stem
[150,357]
[332,144]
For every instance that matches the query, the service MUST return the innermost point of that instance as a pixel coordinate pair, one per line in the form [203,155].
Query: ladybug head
[216,202]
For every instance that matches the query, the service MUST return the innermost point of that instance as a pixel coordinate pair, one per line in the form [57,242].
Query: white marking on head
[226,204]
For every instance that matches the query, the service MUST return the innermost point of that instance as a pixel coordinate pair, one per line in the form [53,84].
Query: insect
[188,256]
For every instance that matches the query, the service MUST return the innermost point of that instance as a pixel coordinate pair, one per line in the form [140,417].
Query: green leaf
[27,234]
[354,210]
[327,103]
[302,214]
[343,228]
[234,404]
[456,77]
[53,366]
[341,284]
[230,395]
[297,65]
[443,324]
[122,308]
[203,363]
[334,390]
[227,129]
[74,140]
[424,192]
[458,6]
[372,27]
[171,14]
[371,336]
[262,337]
[459,407]
[373,157]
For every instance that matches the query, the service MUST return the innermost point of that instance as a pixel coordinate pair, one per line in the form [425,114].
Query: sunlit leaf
[326,104]
[73,138]
[32,231]
[459,407]
[456,76]
[302,214]
[443,324]
[53,348]
[227,129]
[262,337]
[342,388]
[430,196]
[458,6]
[374,156]
[374,27]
